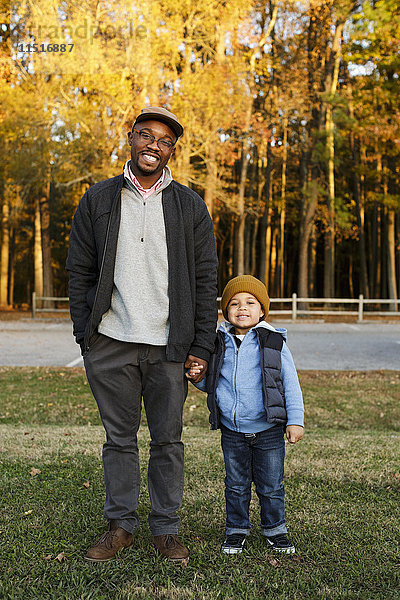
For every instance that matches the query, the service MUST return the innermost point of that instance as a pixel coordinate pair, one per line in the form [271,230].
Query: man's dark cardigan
[192,266]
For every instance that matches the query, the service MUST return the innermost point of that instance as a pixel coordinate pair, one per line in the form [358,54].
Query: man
[142,266]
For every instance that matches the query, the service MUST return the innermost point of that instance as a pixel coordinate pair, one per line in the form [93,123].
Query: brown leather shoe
[111,542]
[169,545]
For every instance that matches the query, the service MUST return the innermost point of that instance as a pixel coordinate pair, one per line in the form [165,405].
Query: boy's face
[244,311]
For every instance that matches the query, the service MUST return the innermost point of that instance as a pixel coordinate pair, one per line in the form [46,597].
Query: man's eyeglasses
[150,139]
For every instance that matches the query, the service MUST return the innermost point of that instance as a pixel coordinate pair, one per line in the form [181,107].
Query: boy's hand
[198,368]
[194,370]
[294,433]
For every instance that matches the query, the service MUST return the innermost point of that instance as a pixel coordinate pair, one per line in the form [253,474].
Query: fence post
[33,305]
[360,307]
[294,307]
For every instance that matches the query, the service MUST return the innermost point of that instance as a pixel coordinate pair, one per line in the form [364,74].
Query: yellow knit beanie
[245,283]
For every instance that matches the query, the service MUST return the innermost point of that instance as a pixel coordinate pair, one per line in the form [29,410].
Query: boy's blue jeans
[260,458]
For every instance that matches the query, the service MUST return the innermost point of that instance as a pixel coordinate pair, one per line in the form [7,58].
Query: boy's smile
[244,312]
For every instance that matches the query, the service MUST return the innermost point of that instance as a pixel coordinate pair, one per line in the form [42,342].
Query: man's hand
[200,366]
[294,433]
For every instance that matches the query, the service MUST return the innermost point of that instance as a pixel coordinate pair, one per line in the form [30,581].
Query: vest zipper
[234,382]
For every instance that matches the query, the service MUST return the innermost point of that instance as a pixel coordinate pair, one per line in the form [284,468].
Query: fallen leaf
[295,558]
[184,563]
[61,557]
[86,484]
[34,471]
[28,512]
[274,563]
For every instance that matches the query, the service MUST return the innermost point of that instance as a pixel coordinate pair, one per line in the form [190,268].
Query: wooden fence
[295,306]
[37,304]
[300,307]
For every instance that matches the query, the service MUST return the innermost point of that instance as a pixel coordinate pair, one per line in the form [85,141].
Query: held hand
[294,433]
[197,366]
[194,370]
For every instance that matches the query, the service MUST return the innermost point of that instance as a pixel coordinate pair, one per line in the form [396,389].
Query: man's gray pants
[119,374]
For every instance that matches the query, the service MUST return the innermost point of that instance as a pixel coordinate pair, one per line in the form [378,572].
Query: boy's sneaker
[280,543]
[233,543]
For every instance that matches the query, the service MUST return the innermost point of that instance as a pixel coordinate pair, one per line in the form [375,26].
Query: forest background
[291,117]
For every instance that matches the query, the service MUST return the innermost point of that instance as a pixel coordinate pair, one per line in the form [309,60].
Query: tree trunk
[248,230]
[273,283]
[5,249]
[350,280]
[231,250]
[329,245]
[397,254]
[331,87]
[282,217]
[312,269]
[376,252]
[260,186]
[333,65]
[242,188]
[11,269]
[211,179]
[37,252]
[264,222]
[377,233]
[364,288]
[391,258]
[310,201]
[384,255]
[253,250]
[359,155]
[46,249]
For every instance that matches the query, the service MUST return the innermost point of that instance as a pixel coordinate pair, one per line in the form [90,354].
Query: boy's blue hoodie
[239,391]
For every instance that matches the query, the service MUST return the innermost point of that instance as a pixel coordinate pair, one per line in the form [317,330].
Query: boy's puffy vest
[270,343]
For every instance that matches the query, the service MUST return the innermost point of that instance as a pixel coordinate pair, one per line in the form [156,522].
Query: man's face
[147,157]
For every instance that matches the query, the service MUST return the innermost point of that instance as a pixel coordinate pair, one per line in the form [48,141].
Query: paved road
[43,342]
[343,346]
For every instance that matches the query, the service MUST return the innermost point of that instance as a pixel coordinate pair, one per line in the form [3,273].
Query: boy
[254,395]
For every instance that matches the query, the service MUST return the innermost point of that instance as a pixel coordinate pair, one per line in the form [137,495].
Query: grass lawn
[342,496]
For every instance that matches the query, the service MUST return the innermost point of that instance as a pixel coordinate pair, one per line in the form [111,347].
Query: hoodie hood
[226,327]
